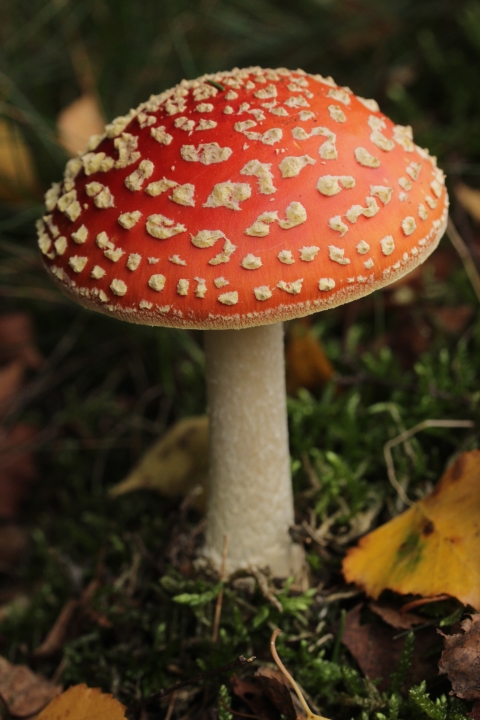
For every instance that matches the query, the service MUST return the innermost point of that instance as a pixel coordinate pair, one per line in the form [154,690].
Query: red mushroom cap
[242,198]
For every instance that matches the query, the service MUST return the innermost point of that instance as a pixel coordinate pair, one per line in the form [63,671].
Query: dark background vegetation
[105,390]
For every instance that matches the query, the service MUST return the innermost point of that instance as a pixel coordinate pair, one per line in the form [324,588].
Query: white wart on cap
[242,198]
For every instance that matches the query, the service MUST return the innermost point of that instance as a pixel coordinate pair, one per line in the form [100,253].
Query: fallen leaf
[452,319]
[475,714]
[17,468]
[432,548]
[17,174]
[17,340]
[175,464]
[469,199]
[306,363]
[23,691]
[461,658]
[78,122]
[377,652]
[83,703]
[251,693]
[395,618]
[276,689]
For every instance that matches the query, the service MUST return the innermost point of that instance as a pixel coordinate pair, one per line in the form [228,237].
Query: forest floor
[106,591]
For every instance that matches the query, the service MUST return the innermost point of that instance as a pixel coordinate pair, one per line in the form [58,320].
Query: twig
[335,597]
[284,671]
[57,635]
[423,601]
[405,436]
[239,662]
[218,606]
[265,590]
[321,534]
[465,256]
[310,472]
[171,706]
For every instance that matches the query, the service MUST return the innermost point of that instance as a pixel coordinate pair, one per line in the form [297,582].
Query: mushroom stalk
[250,495]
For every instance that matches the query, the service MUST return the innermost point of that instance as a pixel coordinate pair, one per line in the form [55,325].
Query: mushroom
[231,203]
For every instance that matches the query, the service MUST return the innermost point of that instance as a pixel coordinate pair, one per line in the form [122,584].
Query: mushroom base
[250,497]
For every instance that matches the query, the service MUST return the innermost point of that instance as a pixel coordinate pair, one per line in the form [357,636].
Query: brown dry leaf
[175,464]
[24,692]
[307,365]
[278,691]
[469,199]
[395,618]
[78,122]
[83,703]
[461,658]
[17,340]
[432,548]
[251,693]
[17,468]
[452,319]
[17,174]
[377,652]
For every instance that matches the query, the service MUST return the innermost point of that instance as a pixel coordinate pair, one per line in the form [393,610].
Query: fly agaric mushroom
[232,203]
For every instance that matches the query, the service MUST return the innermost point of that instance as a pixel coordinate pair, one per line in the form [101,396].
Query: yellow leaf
[78,122]
[175,464]
[307,365]
[17,173]
[83,703]
[430,549]
[469,199]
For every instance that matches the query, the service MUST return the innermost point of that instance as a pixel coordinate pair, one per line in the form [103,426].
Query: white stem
[250,492]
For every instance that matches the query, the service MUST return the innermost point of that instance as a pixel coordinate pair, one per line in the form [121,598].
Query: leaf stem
[284,671]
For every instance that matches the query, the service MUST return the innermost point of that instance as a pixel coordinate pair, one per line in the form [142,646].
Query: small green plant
[223,704]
